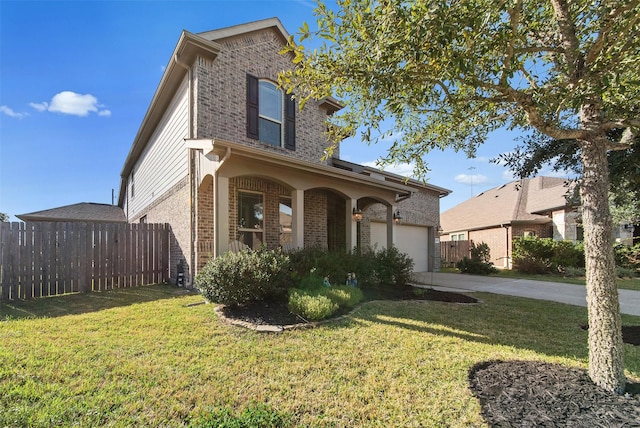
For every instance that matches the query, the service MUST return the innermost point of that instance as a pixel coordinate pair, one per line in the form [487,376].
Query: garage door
[412,240]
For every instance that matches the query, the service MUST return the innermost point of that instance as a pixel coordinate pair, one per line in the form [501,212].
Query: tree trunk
[606,359]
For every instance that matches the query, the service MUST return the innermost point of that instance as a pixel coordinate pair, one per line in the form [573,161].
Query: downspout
[216,232]
[192,191]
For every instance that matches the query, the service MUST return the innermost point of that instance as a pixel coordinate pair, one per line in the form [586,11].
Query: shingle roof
[520,200]
[82,212]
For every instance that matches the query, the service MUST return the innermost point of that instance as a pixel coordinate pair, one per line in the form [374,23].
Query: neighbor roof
[526,200]
[82,212]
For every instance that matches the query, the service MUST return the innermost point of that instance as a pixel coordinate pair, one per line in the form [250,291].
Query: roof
[82,212]
[526,200]
[387,176]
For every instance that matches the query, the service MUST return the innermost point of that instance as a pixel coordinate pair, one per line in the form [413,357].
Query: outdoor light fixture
[397,217]
[357,215]
[440,230]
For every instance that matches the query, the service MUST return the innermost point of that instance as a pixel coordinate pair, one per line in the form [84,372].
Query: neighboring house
[83,212]
[528,207]
[223,155]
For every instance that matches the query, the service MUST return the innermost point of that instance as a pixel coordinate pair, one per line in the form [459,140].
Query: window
[133,193]
[250,219]
[270,114]
[286,217]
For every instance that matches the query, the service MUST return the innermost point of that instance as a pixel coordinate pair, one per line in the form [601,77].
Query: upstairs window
[270,114]
[270,117]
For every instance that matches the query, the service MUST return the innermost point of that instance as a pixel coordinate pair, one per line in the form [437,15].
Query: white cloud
[9,112]
[68,102]
[403,169]
[471,179]
[508,175]
[43,106]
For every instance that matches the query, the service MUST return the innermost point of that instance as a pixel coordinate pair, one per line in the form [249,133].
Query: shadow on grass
[81,303]
[543,327]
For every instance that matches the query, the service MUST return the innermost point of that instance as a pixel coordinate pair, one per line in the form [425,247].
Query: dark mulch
[277,313]
[630,333]
[536,394]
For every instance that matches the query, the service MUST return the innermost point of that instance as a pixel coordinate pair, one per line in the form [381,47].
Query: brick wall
[221,94]
[205,224]
[496,239]
[173,208]
[315,219]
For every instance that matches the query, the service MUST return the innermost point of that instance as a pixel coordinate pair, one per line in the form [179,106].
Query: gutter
[192,190]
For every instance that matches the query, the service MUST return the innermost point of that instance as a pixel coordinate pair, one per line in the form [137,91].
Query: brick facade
[222,95]
[173,208]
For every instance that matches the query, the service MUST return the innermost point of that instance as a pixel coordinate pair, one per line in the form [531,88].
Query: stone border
[270,328]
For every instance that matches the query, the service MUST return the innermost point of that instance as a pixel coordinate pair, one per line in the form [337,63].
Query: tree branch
[526,103]
[621,123]
[569,39]
[515,22]
[608,22]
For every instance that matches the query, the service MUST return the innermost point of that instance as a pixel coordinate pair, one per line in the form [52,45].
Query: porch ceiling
[302,175]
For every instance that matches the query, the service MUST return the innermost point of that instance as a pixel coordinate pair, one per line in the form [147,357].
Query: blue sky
[76,79]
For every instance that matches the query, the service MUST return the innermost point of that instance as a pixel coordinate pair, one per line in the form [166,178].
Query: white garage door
[413,240]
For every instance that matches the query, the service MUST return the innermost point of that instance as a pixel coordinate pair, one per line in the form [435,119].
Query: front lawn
[154,356]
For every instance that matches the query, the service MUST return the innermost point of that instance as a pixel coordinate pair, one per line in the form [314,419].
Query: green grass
[623,283]
[145,357]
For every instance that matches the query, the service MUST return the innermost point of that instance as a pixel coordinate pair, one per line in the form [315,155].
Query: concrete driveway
[542,290]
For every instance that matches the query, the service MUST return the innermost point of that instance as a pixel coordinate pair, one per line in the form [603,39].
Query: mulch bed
[630,333]
[535,394]
[277,313]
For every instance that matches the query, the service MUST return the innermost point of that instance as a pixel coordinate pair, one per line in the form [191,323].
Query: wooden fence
[45,259]
[453,251]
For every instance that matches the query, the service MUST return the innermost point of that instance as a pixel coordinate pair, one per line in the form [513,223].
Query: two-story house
[225,157]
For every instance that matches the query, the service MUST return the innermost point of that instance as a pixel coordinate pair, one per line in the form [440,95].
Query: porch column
[391,226]
[351,224]
[221,213]
[297,218]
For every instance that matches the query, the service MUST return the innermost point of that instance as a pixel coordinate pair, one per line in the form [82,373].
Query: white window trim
[270,119]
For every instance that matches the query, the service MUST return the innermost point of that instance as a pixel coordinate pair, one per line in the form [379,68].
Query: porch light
[357,215]
[440,230]
[397,217]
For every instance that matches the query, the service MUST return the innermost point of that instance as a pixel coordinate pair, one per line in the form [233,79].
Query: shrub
[393,267]
[573,272]
[332,264]
[311,305]
[622,272]
[371,266]
[236,278]
[344,296]
[479,262]
[534,255]
[628,257]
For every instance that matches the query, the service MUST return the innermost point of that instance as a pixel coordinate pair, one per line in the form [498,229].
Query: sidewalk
[554,291]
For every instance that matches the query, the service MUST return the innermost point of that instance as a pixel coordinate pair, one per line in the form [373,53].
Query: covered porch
[259,198]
